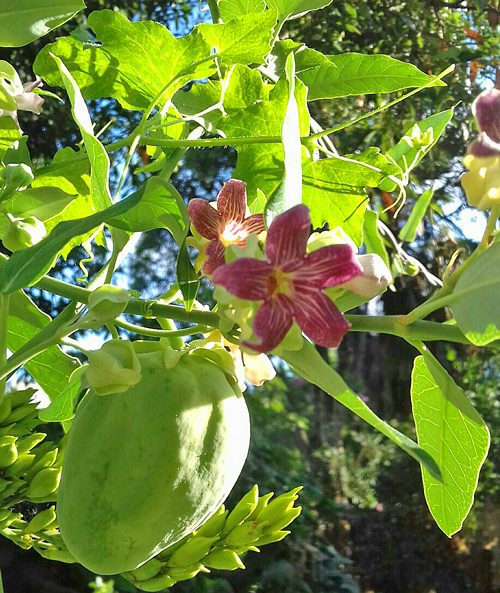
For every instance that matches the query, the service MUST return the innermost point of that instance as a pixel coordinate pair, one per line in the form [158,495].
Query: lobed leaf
[233,9]
[288,9]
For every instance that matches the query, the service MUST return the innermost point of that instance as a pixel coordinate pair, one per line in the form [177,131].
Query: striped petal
[287,236]
[320,320]
[254,224]
[232,200]
[271,324]
[245,278]
[326,267]
[483,146]
[206,220]
[215,257]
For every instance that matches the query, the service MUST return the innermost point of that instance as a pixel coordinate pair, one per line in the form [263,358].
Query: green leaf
[289,193]
[42,202]
[61,408]
[347,74]
[288,9]
[449,429]
[333,189]
[474,301]
[23,22]
[27,266]
[416,143]
[161,207]
[51,368]
[233,9]
[308,363]
[244,40]
[9,133]
[187,277]
[134,63]
[18,153]
[371,236]
[261,166]
[409,231]
[98,157]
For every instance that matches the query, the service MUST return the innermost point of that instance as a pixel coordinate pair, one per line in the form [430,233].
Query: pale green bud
[20,466]
[244,534]
[261,504]
[284,520]
[7,518]
[192,551]
[146,571]
[21,398]
[183,573]
[22,233]
[271,539]
[158,583]
[27,443]
[45,461]
[113,368]
[20,413]
[5,408]
[12,488]
[41,520]
[58,555]
[15,176]
[277,507]
[223,559]
[214,525]
[243,509]
[107,302]
[3,484]
[45,483]
[8,454]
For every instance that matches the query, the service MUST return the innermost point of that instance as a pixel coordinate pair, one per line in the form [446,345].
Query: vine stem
[162,333]
[444,296]
[4,326]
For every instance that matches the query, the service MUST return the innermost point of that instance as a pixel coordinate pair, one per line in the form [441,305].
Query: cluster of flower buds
[221,541]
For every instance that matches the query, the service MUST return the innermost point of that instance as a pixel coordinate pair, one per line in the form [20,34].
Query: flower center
[233,233]
[280,283]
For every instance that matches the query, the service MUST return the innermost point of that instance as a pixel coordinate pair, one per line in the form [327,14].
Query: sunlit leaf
[449,429]
[187,277]
[233,9]
[42,202]
[23,22]
[9,132]
[294,8]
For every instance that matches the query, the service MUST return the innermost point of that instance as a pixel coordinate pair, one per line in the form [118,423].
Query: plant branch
[4,325]
[162,333]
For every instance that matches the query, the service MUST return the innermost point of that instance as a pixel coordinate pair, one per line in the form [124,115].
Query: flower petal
[486,109]
[376,276]
[483,146]
[254,224]
[287,236]
[232,200]
[270,324]
[30,102]
[214,253]
[245,278]
[320,320]
[206,220]
[326,267]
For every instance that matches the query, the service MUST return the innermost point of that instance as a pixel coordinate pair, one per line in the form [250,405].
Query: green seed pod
[45,483]
[8,454]
[19,467]
[243,509]
[41,520]
[27,443]
[184,573]
[21,233]
[246,533]
[183,432]
[214,526]
[271,539]
[158,583]
[192,551]
[223,559]
[284,520]
[147,571]
[58,555]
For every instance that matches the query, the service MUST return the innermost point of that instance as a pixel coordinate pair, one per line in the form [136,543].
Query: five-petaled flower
[290,284]
[227,224]
[482,182]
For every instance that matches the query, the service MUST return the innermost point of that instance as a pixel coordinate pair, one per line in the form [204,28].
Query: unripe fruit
[144,468]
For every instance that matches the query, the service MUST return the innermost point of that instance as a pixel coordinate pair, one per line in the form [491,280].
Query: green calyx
[22,233]
[107,302]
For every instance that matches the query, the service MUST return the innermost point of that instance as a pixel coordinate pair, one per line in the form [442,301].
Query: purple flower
[290,284]
[228,224]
